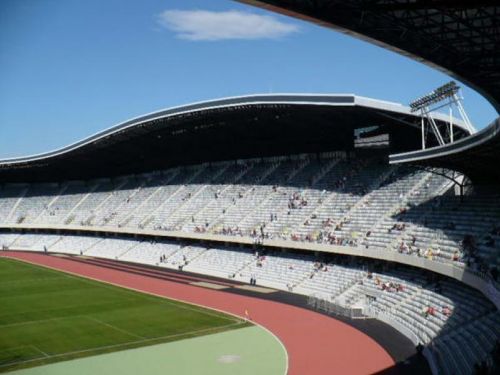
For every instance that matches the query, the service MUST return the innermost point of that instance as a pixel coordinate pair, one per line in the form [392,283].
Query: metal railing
[332,308]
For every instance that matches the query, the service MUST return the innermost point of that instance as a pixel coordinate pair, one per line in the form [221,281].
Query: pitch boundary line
[117,345]
[56,318]
[160,296]
[79,277]
[39,350]
[24,346]
[113,327]
[56,308]
[72,317]
[37,321]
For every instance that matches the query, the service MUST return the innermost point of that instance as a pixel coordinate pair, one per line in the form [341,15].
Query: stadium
[270,233]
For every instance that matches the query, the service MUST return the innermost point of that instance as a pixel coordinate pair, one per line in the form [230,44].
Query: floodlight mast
[450,93]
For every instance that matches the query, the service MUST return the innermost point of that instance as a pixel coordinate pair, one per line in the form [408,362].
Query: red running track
[315,343]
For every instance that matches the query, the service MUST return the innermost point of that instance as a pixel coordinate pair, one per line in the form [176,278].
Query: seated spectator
[429,310]
[446,311]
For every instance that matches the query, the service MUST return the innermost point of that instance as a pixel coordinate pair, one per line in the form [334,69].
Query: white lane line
[40,351]
[237,317]
[112,286]
[160,339]
[36,321]
[114,327]
[13,349]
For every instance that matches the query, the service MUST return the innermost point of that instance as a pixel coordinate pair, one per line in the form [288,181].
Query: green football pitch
[48,316]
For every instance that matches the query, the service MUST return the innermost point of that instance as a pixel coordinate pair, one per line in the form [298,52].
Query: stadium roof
[460,38]
[476,156]
[226,129]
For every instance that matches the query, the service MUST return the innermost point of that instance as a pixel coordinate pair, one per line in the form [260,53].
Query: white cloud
[210,26]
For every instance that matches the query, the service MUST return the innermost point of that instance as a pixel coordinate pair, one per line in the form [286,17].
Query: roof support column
[423,132]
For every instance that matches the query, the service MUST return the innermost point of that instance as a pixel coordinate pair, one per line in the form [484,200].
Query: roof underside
[476,156]
[461,38]
[209,133]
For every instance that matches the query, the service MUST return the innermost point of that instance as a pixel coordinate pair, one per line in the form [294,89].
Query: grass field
[48,316]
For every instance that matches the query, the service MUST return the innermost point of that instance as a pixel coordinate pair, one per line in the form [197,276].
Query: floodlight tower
[447,95]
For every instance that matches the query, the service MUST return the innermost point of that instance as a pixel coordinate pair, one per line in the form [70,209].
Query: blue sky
[71,68]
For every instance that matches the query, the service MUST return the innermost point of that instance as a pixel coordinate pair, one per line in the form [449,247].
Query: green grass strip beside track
[48,316]
[246,351]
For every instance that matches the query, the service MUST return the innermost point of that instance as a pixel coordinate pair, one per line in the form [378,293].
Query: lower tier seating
[457,324]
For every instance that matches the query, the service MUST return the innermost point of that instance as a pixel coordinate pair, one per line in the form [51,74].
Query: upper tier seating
[360,202]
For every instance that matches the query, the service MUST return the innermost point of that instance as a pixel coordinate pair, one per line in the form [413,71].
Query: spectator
[446,311]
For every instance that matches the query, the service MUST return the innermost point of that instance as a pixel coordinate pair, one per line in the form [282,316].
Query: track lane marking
[129,288]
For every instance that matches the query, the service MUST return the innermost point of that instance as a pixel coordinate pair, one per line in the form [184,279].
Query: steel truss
[459,179]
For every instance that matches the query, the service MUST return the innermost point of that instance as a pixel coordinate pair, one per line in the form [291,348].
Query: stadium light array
[437,95]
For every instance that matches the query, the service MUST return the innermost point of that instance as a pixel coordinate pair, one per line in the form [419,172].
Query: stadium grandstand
[329,199]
